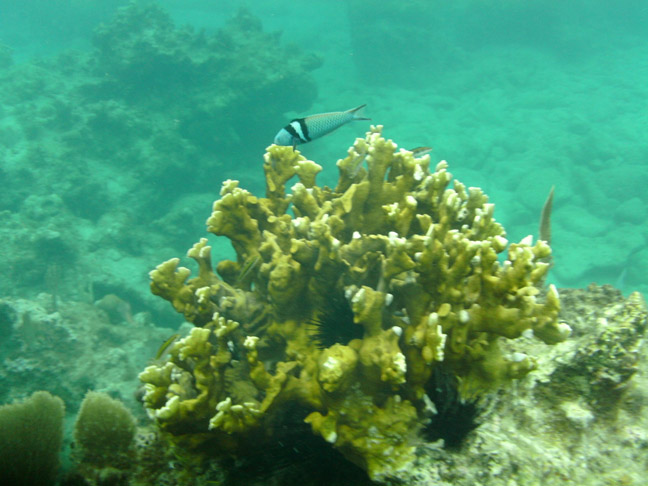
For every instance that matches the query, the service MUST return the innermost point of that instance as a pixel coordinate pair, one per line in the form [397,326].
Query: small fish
[302,130]
[620,282]
[247,268]
[544,230]
[165,345]
[421,151]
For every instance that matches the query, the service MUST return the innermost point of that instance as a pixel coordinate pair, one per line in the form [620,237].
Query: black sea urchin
[334,324]
[455,417]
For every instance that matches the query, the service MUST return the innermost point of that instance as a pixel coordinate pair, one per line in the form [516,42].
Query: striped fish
[302,130]
[421,151]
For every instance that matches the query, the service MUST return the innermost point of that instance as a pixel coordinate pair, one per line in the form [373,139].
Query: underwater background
[120,120]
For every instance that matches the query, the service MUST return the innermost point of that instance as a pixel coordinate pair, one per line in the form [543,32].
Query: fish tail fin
[358,112]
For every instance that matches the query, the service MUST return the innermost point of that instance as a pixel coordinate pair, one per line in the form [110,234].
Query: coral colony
[415,260]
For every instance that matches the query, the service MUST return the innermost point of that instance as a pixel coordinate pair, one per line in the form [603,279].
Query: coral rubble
[415,259]
[68,347]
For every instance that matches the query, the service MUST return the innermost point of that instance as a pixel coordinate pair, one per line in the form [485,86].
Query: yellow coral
[416,262]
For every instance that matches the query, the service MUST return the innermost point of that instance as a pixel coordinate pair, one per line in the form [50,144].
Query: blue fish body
[302,130]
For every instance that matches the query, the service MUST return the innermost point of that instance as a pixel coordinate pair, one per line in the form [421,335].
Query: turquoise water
[115,135]
[516,97]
